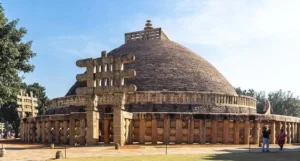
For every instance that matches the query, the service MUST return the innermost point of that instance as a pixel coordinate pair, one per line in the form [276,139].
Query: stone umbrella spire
[148,25]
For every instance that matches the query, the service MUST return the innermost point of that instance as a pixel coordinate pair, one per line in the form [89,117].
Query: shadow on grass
[256,154]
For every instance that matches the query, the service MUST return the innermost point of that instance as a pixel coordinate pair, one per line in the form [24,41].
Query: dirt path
[17,151]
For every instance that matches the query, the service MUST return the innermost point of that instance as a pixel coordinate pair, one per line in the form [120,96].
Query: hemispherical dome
[164,65]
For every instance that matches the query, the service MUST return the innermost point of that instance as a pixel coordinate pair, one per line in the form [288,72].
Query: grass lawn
[279,156]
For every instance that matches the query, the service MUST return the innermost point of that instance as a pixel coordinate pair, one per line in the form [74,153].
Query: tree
[40,93]
[259,96]
[14,57]
[9,114]
[260,101]
[249,92]
[282,103]
[285,103]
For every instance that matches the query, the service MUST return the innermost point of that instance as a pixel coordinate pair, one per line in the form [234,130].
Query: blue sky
[254,44]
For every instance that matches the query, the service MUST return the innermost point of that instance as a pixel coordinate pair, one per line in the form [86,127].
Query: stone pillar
[98,81]
[48,131]
[34,132]
[119,120]
[57,135]
[82,140]
[65,132]
[92,116]
[25,131]
[166,129]
[154,130]
[273,132]
[296,132]
[178,135]
[72,131]
[286,130]
[126,130]
[246,132]
[292,132]
[191,131]
[106,131]
[130,131]
[43,131]
[278,127]
[202,132]
[28,131]
[226,131]
[256,132]
[236,132]
[214,131]
[142,129]
[21,130]
[38,132]
[289,133]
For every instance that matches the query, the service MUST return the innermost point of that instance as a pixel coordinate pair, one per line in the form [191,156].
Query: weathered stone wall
[65,110]
[188,128]
[152,101]
[59,129]
[158,128]
[107,129]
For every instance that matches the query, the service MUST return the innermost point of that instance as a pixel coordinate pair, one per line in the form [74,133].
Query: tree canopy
[14,60]
[282,103]
[14,57]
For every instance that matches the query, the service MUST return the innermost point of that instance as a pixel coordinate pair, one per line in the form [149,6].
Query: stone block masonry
[160,128]
[58,129]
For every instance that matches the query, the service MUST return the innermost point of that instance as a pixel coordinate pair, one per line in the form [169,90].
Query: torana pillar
[92,116]
[119,121]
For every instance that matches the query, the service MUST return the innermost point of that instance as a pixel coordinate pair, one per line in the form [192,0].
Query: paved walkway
[38,152]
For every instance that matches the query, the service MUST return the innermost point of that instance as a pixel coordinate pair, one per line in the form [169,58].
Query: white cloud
[256,41]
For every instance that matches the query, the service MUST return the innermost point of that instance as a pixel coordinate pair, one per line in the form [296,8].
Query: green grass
[280,156]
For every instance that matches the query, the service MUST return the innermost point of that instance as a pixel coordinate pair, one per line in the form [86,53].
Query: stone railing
[145,35]
[74,100]
[188,128]
[202,98]
[58,129]
[183,98]
[159,128]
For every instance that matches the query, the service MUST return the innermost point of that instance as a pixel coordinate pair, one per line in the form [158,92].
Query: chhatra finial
[148,25]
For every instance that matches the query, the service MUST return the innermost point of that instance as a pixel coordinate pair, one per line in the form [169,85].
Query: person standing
[281,138]
[266,139]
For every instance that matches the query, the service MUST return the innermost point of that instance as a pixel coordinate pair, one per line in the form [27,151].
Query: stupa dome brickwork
[164,65]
